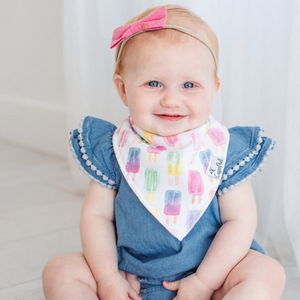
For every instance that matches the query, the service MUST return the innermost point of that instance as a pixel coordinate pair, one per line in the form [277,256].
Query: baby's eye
[188,85]
[154,84]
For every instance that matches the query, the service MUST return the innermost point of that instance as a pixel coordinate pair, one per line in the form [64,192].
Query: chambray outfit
[145,247]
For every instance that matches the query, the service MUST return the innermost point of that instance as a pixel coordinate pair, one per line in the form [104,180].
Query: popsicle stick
[168,219]
[199,199]
[155,158]
[193,159]
[177,180]
[147,197]
[170,180]
[119,153]
[175,220]
[153,197]
[151,139]
[150,157]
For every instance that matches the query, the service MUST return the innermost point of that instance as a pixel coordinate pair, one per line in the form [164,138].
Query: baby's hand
[189,288]
[116,286]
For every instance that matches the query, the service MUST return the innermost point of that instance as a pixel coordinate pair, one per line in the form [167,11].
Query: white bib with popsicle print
[174,177]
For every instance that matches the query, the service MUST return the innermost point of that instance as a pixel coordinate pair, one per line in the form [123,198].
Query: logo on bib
[216,167]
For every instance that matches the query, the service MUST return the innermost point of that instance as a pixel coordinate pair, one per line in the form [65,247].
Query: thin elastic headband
[154,21]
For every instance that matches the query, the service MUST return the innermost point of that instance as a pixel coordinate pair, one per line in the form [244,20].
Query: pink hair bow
[156,20]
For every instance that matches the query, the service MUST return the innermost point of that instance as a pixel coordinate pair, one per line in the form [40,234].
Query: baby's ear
[218,85]
[120,87]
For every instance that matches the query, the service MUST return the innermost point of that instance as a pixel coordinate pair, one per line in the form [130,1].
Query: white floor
[39,218]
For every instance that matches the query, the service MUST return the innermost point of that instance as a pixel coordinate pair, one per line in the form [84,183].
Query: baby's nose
[171,98]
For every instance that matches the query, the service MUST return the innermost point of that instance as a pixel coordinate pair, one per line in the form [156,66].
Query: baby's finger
[134,295]
[172,286]
[133,280]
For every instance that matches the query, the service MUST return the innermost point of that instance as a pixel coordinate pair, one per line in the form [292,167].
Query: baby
[169,212]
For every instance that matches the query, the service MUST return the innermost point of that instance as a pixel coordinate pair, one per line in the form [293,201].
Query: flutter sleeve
[92,148]
[247,152]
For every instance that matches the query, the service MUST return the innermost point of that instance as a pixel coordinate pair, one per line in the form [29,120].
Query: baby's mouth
[172,118]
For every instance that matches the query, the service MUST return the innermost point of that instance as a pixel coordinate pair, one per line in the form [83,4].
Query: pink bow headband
[154,21]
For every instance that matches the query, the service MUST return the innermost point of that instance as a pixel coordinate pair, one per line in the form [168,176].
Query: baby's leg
[69,277]
[257,277]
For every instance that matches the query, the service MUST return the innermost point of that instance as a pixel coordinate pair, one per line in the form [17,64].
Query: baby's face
[168,89]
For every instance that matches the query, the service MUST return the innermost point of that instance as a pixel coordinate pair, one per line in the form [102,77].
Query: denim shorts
[156,292]
[152,289]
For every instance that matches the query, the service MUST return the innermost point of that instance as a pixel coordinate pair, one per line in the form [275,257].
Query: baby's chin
[167,130]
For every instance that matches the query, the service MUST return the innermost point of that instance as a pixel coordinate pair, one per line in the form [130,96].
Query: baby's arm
[231,244]
[98,237]
[233,240]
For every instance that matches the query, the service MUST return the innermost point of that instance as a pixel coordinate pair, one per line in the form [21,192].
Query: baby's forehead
[155,55]
[164,36]
[153,45]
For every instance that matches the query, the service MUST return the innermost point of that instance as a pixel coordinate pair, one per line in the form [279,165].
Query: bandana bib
[174,177]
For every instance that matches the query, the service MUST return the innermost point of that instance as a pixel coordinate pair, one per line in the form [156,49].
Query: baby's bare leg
[69,277]
[257,277]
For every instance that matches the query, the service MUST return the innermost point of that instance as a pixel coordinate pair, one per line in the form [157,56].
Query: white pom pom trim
[242,163]
[110,182]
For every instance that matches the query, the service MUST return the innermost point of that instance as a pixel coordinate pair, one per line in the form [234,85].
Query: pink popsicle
[156,150]
[195,185]
[195,141]
[123,139]
[171,140]
[217,136]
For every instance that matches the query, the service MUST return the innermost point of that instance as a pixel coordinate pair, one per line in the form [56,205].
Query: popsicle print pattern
[205,157]
[192,218]
[133,161]
[174,166]
[154,212]
[151,184]
[217,136]
[195,185]
[149,136]
[123,140]
[207,125]
[196,143]
[172,141]
[172,205]
[155,150]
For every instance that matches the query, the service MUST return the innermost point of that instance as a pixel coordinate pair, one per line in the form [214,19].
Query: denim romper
[145,247]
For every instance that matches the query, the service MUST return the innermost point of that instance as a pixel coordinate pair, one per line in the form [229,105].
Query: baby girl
[169,212]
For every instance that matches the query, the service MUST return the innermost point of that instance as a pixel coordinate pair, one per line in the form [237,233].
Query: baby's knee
[53,270]
[49,276]
[272,276]
[260,273]
[59,270]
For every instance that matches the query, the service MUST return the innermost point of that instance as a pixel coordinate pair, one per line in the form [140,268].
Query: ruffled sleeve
[92,148]
[247,152]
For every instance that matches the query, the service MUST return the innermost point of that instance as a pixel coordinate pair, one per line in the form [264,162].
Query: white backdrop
[260,70]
